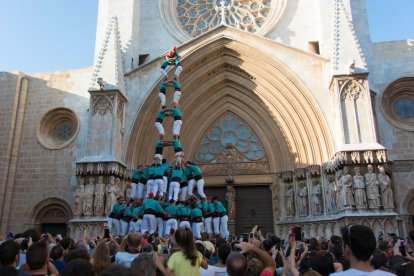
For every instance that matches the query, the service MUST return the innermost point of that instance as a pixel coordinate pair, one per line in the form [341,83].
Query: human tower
[162,197]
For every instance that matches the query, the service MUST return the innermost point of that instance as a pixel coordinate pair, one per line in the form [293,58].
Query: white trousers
[184,192]
[200,188]
[177,96]
[160,224]
[197,229]
[185,224]
[207,224]
[170,224]
[162,98]
[158,185]
[165,184]
[152,187]
[177,127]
[160,128]
[133,226]
[149,224]
[174,190]
[163,72]
[140,190]
[216,225]
[178,71]
[223,227]
[114,226]
[190,187]
[134,191]
[124,228]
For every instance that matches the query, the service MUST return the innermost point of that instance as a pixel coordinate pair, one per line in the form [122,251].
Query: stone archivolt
[262,91]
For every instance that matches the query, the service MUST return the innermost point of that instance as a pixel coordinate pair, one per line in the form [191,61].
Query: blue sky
[48,35]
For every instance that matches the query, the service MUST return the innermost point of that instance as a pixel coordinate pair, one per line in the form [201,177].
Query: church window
[397,103]
[197,17]
[57,128]
[230,136]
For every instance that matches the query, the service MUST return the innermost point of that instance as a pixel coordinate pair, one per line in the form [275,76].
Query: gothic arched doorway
[51,216]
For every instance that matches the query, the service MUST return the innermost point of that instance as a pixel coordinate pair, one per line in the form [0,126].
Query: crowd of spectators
[356,252]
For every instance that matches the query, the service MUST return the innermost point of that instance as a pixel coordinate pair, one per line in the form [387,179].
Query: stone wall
[43,173]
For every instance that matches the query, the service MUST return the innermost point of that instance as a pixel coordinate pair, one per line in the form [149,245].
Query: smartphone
[245,237]
[297,233]
[106,233]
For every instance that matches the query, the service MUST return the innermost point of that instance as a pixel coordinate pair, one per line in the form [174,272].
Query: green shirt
[146,173]
[185,211]
[196,212]
[177,172]
[163,86]
[194,169]
[220,208]
[176,145]
[128,212]
[137,174]
[176,84]
[176,112]
[161,114]
[117,209]
[172,210]
[151,203]
[135,211]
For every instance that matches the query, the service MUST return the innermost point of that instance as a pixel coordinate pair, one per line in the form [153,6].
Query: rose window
[230,133]
[198,16]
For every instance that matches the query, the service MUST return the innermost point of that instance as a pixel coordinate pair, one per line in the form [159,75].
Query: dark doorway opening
[55,228]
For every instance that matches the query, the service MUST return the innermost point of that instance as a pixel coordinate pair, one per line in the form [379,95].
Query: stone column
[231,208]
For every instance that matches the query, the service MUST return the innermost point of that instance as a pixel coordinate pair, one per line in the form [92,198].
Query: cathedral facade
[293,114]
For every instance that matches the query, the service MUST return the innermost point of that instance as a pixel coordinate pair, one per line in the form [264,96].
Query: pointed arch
[226,74]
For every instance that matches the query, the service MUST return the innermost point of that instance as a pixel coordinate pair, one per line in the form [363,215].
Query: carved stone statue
[316,198]
[290,211]
[303,200]
[112,193]
[99,203]
[88,197]
[345,184]
[331,194]
[77,208]
[359,189]
[385,188]
[231,202]
[372,185]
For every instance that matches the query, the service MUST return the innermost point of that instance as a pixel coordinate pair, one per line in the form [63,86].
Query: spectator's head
[67,243]
[223,252]
[115,270]
[78,267]
[337,252]
[101,257]
[78,253]
[37,255]
[57,252]
[147,248]
[185,240]
[359,241]
[335,240]
[144,264]
[254,267]
[236,264]
[134,240]
[200,247]
[379,259]
[9,253]
[32,233]
[314,244]
[383,246]
[267,245]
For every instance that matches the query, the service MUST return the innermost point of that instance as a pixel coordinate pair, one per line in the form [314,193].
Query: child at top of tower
[172,58]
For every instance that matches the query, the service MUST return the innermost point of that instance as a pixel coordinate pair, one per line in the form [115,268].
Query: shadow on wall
[36,166]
